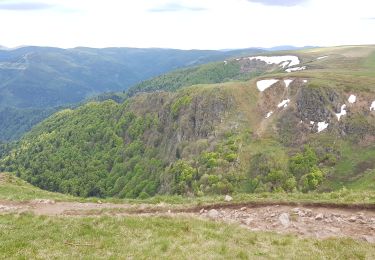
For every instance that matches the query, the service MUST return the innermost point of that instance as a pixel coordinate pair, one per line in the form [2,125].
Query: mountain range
[277,122]
[43,78]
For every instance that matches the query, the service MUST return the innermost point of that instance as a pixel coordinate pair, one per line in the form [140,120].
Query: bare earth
[304,221]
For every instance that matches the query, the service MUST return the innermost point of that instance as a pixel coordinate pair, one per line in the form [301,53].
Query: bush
[143,195]
[312,180]
[231,157]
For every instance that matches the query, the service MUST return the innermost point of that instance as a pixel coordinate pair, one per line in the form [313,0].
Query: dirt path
[305,220]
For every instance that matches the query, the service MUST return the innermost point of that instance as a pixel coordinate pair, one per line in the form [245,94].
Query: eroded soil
[305,220]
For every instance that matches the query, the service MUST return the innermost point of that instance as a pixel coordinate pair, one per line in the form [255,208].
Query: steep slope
[279,132]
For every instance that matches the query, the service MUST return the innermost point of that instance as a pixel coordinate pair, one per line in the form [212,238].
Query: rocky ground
[305,221]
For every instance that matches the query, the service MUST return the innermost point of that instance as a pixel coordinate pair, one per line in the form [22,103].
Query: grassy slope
[28,236]
[15,189]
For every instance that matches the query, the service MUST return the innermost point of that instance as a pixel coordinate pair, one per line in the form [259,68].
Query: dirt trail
[308,220]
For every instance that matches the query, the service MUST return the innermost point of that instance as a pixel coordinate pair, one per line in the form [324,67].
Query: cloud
[279,2]
[24,6]
[175,7]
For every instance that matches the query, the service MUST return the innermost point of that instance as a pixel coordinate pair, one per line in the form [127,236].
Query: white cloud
[217,25]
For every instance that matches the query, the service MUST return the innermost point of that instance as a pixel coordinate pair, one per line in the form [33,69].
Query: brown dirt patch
[305,220]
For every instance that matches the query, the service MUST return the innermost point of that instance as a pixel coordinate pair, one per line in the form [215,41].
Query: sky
[186,24]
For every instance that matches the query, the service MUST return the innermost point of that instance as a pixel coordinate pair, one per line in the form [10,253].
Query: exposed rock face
[183,117]
[313,104]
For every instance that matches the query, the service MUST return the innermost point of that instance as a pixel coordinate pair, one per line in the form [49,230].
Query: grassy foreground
[27,236]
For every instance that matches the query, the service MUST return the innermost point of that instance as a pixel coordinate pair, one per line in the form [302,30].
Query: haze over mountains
[35,80]
[44,76]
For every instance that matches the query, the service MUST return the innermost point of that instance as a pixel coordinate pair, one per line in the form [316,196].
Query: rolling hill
[295,127]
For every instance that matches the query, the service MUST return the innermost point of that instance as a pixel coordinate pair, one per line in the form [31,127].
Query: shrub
[312,180]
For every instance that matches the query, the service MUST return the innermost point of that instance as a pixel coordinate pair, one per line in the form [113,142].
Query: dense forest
[15,122]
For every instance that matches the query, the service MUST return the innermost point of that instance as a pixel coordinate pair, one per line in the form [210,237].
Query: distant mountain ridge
[44,76]
[33,77]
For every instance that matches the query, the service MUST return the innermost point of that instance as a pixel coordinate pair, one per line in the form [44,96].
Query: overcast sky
[186,24]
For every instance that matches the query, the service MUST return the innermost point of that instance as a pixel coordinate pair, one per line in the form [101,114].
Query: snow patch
[352,99]
[372,108]
[342,112]
[225,62]
[284,103]
[287,82]
[323,57]
[283,61]
[322,126]
[305,81]
[269,114]
[262,85]
[312,122]
[296,69]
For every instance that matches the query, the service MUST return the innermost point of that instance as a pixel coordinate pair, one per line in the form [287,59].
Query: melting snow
[323,57]
[284,103]
[352,99]
[322,126]
[269,114]
[372,106]
[262,85]
[287,82]
[312,122]
[342,112]
[295,69]
[284,61]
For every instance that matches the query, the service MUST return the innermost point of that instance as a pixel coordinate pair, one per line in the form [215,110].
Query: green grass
[370,61]
[13,188]
[27,236]
[351,169]
[366,181]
